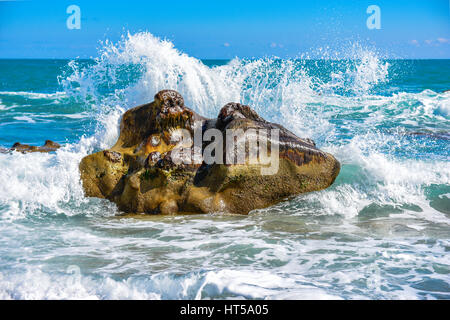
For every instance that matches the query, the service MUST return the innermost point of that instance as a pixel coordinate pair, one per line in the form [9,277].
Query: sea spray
[381,231]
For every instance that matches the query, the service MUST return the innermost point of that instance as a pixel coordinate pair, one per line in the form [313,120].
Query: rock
[49,146]
[142,172]
[112,156]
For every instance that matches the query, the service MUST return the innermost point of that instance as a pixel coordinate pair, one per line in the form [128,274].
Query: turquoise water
[382,231]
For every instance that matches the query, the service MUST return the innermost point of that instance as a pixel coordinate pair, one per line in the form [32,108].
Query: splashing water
[381,231]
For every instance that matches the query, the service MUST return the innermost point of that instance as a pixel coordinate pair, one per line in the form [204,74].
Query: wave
[245,284]
[34,95]
[379,232]
[25,118]
[290,92]
[340,108]
[272,86]
[200,269]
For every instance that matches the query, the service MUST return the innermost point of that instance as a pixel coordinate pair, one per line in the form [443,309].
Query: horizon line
[229,59]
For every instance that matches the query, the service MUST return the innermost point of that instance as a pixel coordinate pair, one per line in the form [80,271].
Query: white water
[316,246]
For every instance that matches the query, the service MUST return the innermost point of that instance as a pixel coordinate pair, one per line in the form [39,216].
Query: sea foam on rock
[139,174]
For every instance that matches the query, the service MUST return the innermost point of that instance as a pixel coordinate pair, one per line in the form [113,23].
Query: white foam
[260,285]
[25,118]
[280,91]
[382,179]
[37,285]
[5,108]
[39,182]
[33,95]
[284,251]
[80,115]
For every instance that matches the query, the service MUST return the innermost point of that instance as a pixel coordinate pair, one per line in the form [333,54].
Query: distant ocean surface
[381,231]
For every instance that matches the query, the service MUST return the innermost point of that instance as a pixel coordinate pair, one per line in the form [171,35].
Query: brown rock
[48,146]
[141,175]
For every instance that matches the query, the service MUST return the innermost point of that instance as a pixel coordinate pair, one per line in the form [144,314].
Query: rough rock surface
[139,174]
[48,146]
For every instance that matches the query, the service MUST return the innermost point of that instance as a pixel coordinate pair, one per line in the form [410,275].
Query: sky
[226,29]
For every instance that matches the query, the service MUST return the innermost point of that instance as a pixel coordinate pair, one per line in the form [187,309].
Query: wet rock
[144,172]
[112,156]
[48,146]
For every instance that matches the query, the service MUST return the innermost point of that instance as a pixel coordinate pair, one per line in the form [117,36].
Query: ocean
[381,231]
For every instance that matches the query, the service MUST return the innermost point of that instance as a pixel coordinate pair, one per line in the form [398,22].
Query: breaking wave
[394,182]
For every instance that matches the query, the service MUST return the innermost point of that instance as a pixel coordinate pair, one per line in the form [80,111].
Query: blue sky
[225,29]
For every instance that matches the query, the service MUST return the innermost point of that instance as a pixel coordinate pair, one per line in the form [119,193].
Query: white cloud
[226,44]
[275,45]
[414,42]
[437,42]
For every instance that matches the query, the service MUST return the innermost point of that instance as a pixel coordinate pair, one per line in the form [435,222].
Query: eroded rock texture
[48,146]
[140,175]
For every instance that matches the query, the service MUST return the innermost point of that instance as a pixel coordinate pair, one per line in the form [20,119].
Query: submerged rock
[48,146]
[144,172]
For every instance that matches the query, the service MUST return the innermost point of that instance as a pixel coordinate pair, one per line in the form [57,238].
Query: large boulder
[148,169]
